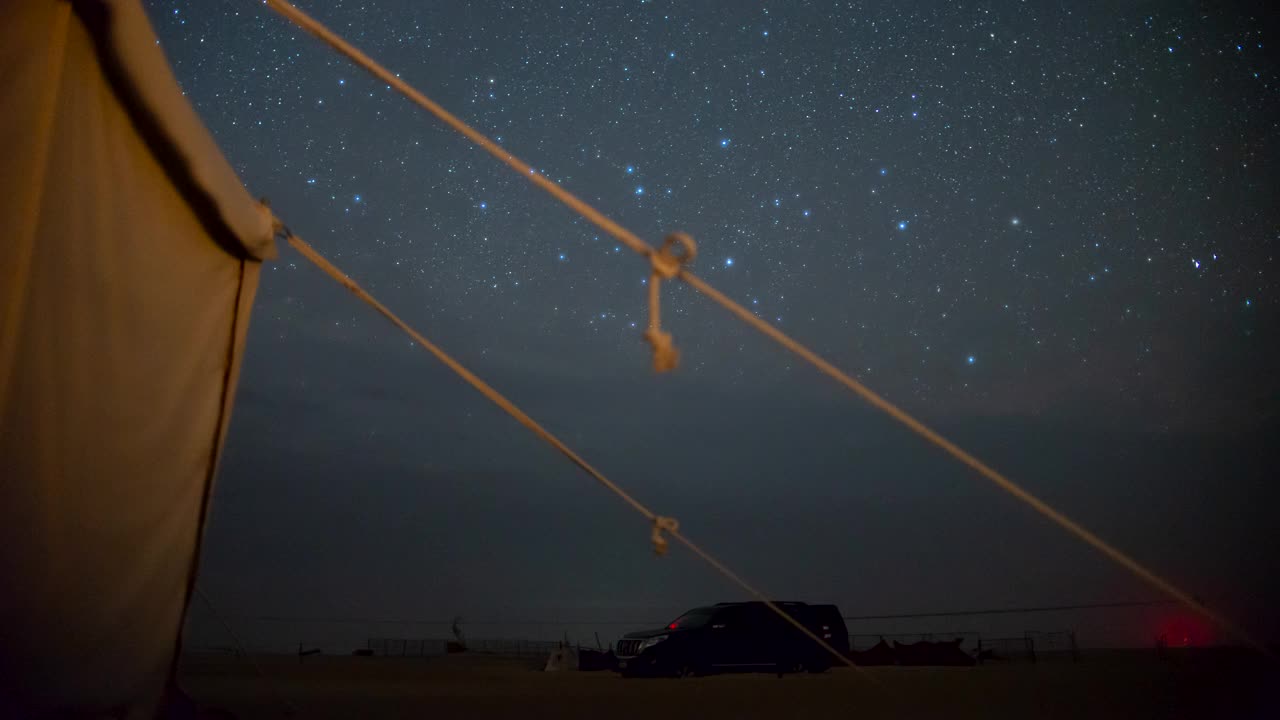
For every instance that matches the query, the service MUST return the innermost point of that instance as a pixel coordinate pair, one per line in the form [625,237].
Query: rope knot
[661,523]
[666,265]
[665,355]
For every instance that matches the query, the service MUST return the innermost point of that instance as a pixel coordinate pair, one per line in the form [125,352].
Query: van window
[695,618]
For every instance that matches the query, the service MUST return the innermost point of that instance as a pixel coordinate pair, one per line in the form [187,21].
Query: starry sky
[1047,229]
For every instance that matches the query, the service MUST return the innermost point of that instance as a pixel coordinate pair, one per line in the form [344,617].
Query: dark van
[736,637]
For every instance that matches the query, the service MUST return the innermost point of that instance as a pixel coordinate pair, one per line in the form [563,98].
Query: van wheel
[686,670]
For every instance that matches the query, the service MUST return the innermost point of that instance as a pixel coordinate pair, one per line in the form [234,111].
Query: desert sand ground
[1104,686]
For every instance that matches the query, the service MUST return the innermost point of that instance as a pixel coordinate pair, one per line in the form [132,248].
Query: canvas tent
[129,258]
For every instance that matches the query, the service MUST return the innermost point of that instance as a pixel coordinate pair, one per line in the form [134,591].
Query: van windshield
[692,619]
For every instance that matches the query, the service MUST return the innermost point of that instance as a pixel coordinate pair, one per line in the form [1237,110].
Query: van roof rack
[754,602]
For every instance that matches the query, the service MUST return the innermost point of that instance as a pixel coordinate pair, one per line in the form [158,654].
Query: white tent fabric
[129,258]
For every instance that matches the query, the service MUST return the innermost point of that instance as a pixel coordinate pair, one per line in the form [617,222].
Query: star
[902,224]
[971,360]
[728,262]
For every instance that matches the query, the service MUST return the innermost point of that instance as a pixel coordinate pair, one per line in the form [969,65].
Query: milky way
[974,205]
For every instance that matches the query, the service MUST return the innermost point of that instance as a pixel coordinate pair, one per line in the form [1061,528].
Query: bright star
[484,205]
[1196,263]
[971,359]
[884,171]
[902,224]
[1015,221]
[639,189]
[357,198]
[562,257]
[724,142]
[630,169]
[342,82]
[806,213]
[728,262]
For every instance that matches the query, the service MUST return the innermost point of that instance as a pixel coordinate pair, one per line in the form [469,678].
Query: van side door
[728,636]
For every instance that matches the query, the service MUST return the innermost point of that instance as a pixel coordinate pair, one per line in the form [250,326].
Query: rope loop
[661,523]
[666,263]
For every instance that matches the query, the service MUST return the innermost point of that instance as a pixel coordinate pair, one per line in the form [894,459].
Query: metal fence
[1030,647]
[504,647]
[405,647]
[511,647]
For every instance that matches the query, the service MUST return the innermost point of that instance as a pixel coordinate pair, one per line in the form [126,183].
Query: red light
[672,626]
[1180,628]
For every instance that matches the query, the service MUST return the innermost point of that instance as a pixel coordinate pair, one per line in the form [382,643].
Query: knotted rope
[661,523]
[666,265]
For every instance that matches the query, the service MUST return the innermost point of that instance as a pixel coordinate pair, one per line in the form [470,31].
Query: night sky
[1047,229]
